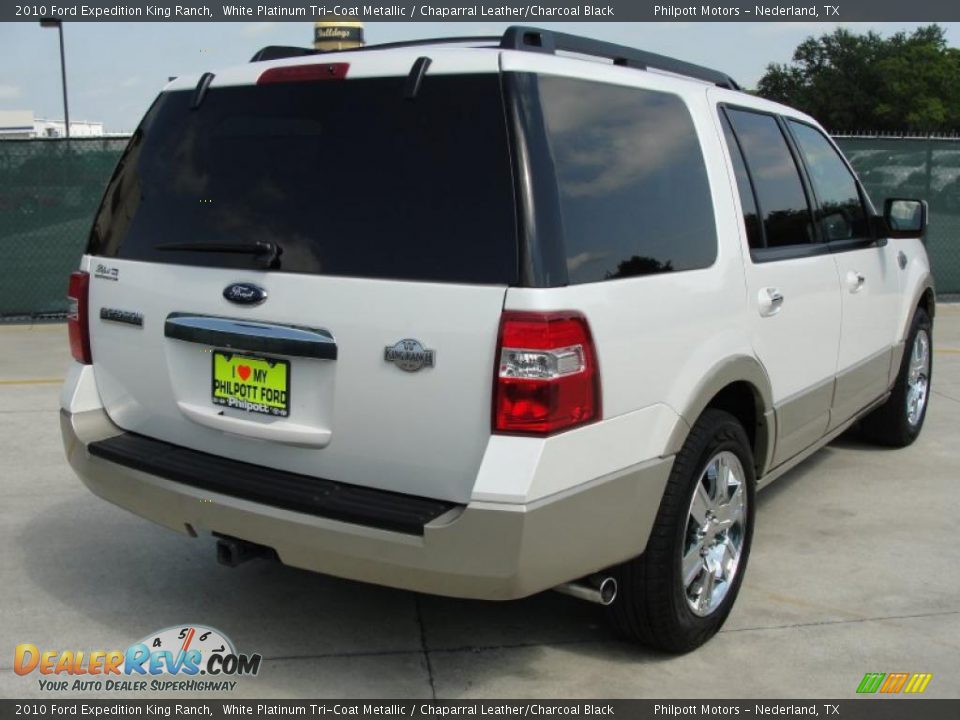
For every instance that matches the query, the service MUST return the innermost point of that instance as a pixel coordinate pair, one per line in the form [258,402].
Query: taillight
[304,73]
[547,376]
[78,325]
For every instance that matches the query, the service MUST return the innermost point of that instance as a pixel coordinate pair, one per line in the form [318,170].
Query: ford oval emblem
[245,293]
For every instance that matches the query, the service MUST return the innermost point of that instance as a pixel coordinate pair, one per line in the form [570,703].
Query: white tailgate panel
[420,433]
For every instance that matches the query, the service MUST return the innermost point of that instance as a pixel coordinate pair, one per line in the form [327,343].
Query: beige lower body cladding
[494,551]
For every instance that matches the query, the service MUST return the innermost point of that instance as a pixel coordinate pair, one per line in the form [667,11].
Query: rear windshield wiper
[268,251]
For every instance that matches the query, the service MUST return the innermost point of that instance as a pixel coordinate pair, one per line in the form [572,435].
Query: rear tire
[678,593]
[898,422]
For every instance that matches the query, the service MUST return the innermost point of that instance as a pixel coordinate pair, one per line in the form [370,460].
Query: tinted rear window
[634,194]
[348,177]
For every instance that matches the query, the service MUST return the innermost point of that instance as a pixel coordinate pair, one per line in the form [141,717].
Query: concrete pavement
[853,570]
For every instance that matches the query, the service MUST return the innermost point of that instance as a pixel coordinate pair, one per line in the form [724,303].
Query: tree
[867,82]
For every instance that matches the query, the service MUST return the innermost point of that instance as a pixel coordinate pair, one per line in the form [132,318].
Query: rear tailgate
[370,358]
[421,432]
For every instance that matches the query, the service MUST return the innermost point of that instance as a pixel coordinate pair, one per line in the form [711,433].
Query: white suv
[481,318]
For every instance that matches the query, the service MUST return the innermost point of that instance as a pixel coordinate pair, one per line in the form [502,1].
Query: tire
[654,606]
[898,422]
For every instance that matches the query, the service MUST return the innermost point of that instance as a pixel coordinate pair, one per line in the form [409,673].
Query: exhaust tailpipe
[234,551]
[599,589]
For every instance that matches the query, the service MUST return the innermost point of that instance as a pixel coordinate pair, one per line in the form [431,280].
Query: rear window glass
[634,194]
[347,177]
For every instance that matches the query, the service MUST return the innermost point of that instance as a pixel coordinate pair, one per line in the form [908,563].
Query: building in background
[22,124]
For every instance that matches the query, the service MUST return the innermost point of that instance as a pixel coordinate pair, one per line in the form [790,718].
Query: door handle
[855,281]
[770,301]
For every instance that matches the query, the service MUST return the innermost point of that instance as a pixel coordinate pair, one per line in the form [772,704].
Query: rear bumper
[484,550]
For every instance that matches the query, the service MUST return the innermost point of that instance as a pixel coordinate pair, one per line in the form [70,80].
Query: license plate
[254,384]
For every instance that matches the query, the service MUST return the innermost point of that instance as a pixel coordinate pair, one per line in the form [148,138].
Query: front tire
[898,422]
[678,593]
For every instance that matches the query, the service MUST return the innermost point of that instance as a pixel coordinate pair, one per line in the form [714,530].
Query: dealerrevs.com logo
[183,658]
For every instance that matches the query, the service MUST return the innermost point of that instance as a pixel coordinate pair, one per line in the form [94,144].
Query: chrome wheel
[918,377]
[714,533]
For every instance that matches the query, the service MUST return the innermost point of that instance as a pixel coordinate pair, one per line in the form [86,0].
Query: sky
[114,70]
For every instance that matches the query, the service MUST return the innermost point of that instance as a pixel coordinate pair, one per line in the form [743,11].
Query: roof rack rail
[531,39]
[276,52]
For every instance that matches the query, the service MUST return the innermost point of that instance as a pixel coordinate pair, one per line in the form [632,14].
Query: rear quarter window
[634,194]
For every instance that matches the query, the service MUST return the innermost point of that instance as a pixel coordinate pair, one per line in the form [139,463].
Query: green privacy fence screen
[926,168]
[49,191]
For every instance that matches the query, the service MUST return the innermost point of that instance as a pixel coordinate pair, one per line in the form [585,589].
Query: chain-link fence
[49,190]
[925,168]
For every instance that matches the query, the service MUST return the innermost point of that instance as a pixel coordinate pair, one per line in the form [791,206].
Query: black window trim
[725,119]
[847,244]
[813,201]
[542,260]
[784,252]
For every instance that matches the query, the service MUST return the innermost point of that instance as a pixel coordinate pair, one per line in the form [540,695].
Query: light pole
[50,23]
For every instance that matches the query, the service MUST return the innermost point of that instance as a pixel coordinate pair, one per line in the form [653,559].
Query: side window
[780,196]
[633,188]
[841,213]
[751,216]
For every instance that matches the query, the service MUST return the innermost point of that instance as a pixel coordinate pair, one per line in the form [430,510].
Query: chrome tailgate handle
[253,336]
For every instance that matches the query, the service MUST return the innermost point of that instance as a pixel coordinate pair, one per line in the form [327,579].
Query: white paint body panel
[798,345]
[522,470]
[79,392]
[868,308]
[915,276]
[421,433]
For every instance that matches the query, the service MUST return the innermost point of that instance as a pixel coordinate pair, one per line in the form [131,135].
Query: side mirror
[905,218]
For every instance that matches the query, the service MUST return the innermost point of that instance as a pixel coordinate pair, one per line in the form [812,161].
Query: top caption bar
[490,11]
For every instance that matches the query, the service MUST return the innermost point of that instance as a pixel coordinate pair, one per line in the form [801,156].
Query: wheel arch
[927,301]
[923,296]
[740,386]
